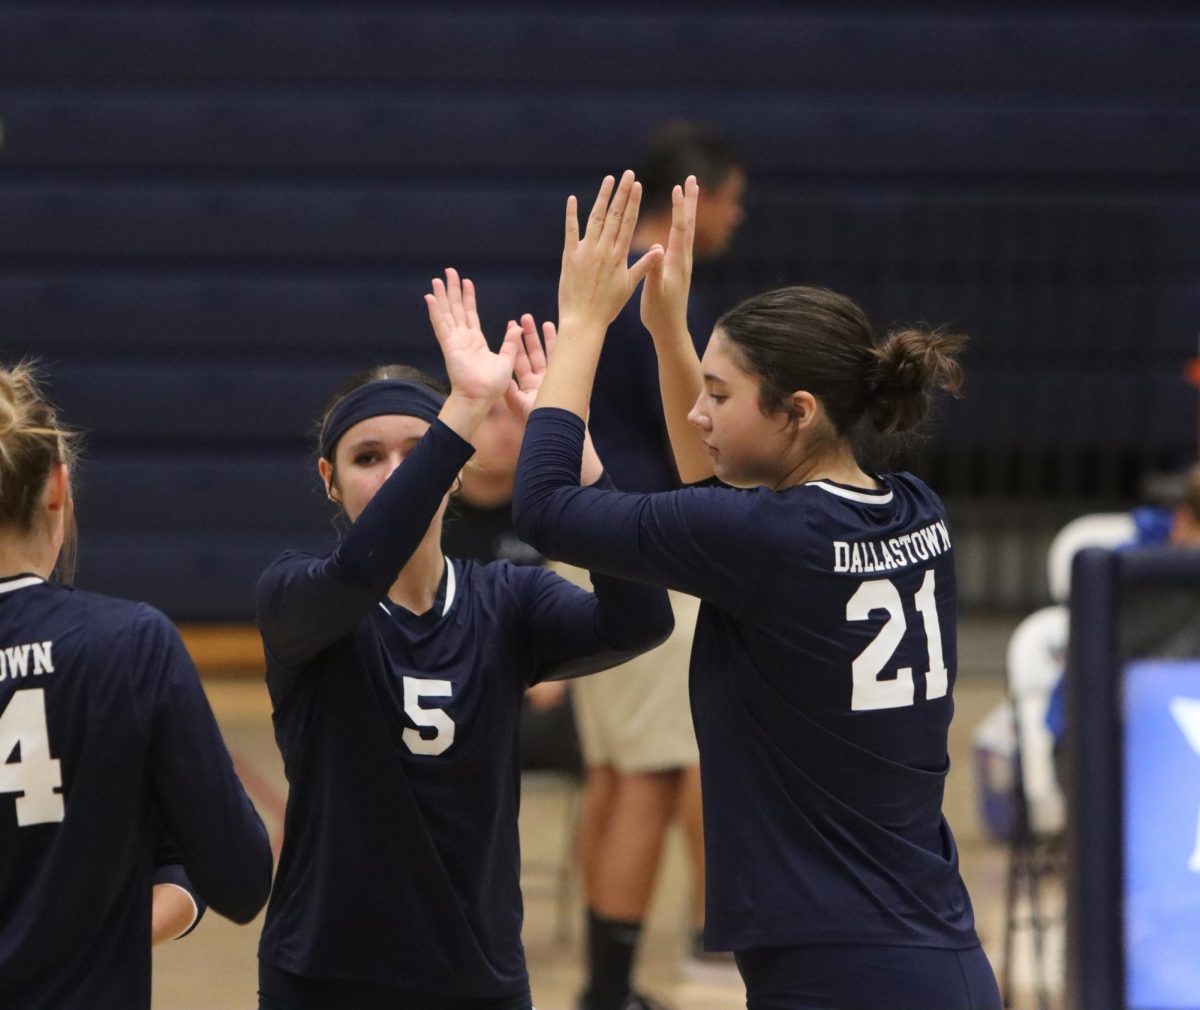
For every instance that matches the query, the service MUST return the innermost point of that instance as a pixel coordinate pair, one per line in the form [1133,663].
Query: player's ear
[805,408]
[57,491]
[325,469]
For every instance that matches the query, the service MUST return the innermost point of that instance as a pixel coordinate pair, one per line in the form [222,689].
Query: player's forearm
[572,371]
[680,380]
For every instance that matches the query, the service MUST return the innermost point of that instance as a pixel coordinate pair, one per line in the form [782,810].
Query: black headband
[384,396]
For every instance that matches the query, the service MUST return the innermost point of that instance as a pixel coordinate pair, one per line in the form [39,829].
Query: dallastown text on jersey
[894,552]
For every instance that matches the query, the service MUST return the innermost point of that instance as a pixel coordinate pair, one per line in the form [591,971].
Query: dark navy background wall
[210,213]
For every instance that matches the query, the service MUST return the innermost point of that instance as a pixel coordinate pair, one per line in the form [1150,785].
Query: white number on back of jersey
[36,775]
[869,692]
[414,690]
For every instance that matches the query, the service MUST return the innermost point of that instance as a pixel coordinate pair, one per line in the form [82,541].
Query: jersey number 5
[869,691]
[442,725]
[36,775]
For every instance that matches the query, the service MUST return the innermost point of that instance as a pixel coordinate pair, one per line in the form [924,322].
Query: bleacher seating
[210,213]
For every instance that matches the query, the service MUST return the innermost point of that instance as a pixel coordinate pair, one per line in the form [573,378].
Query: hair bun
[909,365]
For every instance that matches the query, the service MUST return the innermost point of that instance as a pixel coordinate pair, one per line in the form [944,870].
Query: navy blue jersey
[821,680]
[104,727]
[400,862]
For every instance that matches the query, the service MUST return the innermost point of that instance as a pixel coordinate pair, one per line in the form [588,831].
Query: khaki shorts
[636,717]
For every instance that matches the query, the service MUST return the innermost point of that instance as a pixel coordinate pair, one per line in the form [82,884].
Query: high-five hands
[475,371]
[669,279]
[530,366]
[596,279]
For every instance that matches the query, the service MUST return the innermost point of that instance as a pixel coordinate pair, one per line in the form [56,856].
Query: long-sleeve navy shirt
[168,869]
[821,681]
[400,862]
[101,703]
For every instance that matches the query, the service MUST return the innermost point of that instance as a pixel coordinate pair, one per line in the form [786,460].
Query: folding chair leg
[1038,925]
[1010,920]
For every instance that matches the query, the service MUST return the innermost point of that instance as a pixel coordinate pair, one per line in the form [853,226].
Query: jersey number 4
[869,691]
[36,775]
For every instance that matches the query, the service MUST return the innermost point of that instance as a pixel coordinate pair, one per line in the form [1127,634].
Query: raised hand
[475,371]
[668,280]
[596,279]
[530,366]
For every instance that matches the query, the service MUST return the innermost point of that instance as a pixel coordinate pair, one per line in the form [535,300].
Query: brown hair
[32,441]
[805,338]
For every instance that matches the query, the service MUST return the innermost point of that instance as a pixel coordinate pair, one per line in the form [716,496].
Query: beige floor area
[216,966]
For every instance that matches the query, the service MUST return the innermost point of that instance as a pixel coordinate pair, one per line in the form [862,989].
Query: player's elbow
[527,510]
[645,629]
[247,884]
[660,626]
[243,905]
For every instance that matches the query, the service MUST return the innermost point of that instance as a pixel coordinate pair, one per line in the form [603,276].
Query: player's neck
[19,554]
[416,587]
[487,489]
[837,465]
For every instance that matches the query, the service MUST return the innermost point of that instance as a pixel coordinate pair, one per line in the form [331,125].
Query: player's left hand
[476,372]
[532,361]
[530,365]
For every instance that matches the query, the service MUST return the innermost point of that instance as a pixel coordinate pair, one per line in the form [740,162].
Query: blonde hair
[32,442]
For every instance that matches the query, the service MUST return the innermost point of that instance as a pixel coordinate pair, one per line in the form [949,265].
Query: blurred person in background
[641,762]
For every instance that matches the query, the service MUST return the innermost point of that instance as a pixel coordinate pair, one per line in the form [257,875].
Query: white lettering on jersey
[892,553]
[43,658]
[14,660]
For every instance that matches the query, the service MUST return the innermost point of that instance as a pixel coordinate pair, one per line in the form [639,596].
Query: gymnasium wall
[210,213]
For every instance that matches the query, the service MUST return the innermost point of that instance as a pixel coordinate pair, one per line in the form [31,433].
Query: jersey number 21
[869,692]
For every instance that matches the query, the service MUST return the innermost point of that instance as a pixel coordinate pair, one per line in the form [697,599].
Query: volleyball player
[824,659]
[104,733]
[396,676]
